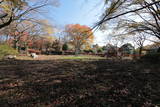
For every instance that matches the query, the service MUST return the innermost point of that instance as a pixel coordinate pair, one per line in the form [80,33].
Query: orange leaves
[77,28]
[80,35]
[80,32]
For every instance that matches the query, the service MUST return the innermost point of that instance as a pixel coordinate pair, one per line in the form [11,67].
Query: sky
[78,11]
[84,12]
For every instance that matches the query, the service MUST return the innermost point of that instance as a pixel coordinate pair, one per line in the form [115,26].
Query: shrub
[56,52]
[65,47]
[7,50]
[152,57]
[100,50]
[88,51]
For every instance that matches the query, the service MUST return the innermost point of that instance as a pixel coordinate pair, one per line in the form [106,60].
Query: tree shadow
[77,83]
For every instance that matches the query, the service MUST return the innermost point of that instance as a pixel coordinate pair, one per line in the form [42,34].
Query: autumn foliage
[80,35]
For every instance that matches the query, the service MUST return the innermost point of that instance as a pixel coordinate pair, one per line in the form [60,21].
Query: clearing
[85,83]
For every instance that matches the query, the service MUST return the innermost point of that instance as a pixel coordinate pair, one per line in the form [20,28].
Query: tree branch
[131,11]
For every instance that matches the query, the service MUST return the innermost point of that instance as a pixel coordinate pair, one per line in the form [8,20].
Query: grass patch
[62,57]
[7,50]
[81,57]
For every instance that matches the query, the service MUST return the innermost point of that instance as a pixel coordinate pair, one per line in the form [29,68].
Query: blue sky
[84,12]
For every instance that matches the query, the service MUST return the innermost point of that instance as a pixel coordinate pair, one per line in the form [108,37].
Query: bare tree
[146,10]
[139,40]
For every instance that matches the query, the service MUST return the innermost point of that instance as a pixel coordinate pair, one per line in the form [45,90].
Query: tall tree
[26,33]
[80,35]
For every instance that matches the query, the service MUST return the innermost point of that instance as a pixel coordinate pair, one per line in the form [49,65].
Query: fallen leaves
[78,83]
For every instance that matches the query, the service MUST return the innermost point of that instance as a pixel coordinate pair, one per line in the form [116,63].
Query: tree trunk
[77,51]
[7,37]
[16,44]
[26,48]
[140,51]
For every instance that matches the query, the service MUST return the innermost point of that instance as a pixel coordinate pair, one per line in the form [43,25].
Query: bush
[56,52]
[152,57]
[88,51]
[65,47]
[7,50]
[100,50]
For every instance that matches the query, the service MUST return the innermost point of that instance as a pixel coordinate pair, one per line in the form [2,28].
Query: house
[127,49]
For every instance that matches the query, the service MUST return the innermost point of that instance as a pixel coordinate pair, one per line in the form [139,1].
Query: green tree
[65,47]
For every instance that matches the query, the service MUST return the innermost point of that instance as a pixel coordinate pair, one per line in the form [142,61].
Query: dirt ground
[77,83]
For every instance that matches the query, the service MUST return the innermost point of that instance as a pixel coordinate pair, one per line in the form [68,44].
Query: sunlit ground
[63,57]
